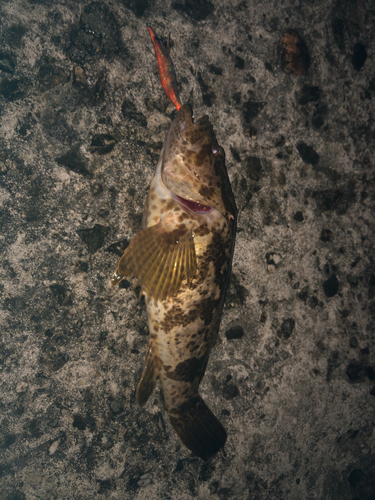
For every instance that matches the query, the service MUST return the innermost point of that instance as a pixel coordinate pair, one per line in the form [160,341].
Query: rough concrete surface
[82,121]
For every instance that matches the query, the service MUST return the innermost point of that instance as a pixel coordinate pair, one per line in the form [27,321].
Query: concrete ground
[82,121]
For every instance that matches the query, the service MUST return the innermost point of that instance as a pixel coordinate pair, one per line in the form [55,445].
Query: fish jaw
[193,164]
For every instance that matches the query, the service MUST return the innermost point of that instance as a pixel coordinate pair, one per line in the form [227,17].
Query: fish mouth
[193,206]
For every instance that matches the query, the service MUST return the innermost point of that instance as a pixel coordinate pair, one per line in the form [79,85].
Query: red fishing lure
[166,69]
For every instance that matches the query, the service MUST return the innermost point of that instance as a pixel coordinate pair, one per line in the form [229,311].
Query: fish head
[194,166]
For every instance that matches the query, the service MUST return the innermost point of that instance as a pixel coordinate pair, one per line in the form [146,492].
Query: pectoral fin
[161,258]
[149,376]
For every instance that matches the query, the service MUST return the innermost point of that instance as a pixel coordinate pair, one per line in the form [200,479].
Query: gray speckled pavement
[82,120]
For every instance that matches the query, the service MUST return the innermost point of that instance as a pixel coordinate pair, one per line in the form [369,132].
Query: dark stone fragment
[102,144]
[353,342]
[79,423]
[116,407]
[27,125]
[118,248]
[293,53]
[230,391]
[34,429]
[125,284]
[254,168]
[307,153]
[130,111]
[7,63]
[59,360]
[308,93]
[138,7]
[338,33]
[370,373]
[353,434]
[7,441]
[325,235]
[354,371]
[235,155]
[303,294]
[317,120]
[206,471]
[359,56]
[97,34]
[251,110]
[215,70]
[372,392]
[286,329]
[335,199]
[239,62]
[236,292]
[236,332]
[298,216]
[16,495]
[60,293]
[331,286]
[372,280]
[15,35]
[198,10]
[237,97]
[12,90]
[179,466]
[362,485]
[208,95]
[268,66]
[104,485]
[93,237]
[82,266]
[54,423]
[75,162]
[132,484]
[49,333]
[50,74]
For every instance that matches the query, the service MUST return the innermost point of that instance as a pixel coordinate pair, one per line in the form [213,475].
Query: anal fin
[198,428]
[149,376]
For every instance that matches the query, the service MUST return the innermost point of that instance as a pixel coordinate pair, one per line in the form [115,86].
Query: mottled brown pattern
[188,370]
[183,216]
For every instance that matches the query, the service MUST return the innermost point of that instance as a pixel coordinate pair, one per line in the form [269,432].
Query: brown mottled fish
[182,258]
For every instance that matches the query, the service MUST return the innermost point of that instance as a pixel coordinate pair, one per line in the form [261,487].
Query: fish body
[182,258]
[166,69]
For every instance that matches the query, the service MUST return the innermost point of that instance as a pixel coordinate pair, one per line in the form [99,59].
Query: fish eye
[215,150]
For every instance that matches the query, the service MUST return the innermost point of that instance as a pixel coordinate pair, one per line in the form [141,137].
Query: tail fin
[198,428]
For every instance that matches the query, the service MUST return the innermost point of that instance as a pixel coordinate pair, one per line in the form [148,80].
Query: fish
[166,69]
[182,258]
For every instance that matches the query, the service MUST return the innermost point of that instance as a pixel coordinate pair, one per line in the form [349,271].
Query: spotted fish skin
[182,259]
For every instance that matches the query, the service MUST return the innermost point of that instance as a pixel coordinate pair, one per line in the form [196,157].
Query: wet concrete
[83,118]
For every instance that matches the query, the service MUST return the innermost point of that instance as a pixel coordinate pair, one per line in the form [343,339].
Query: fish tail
[198,428]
